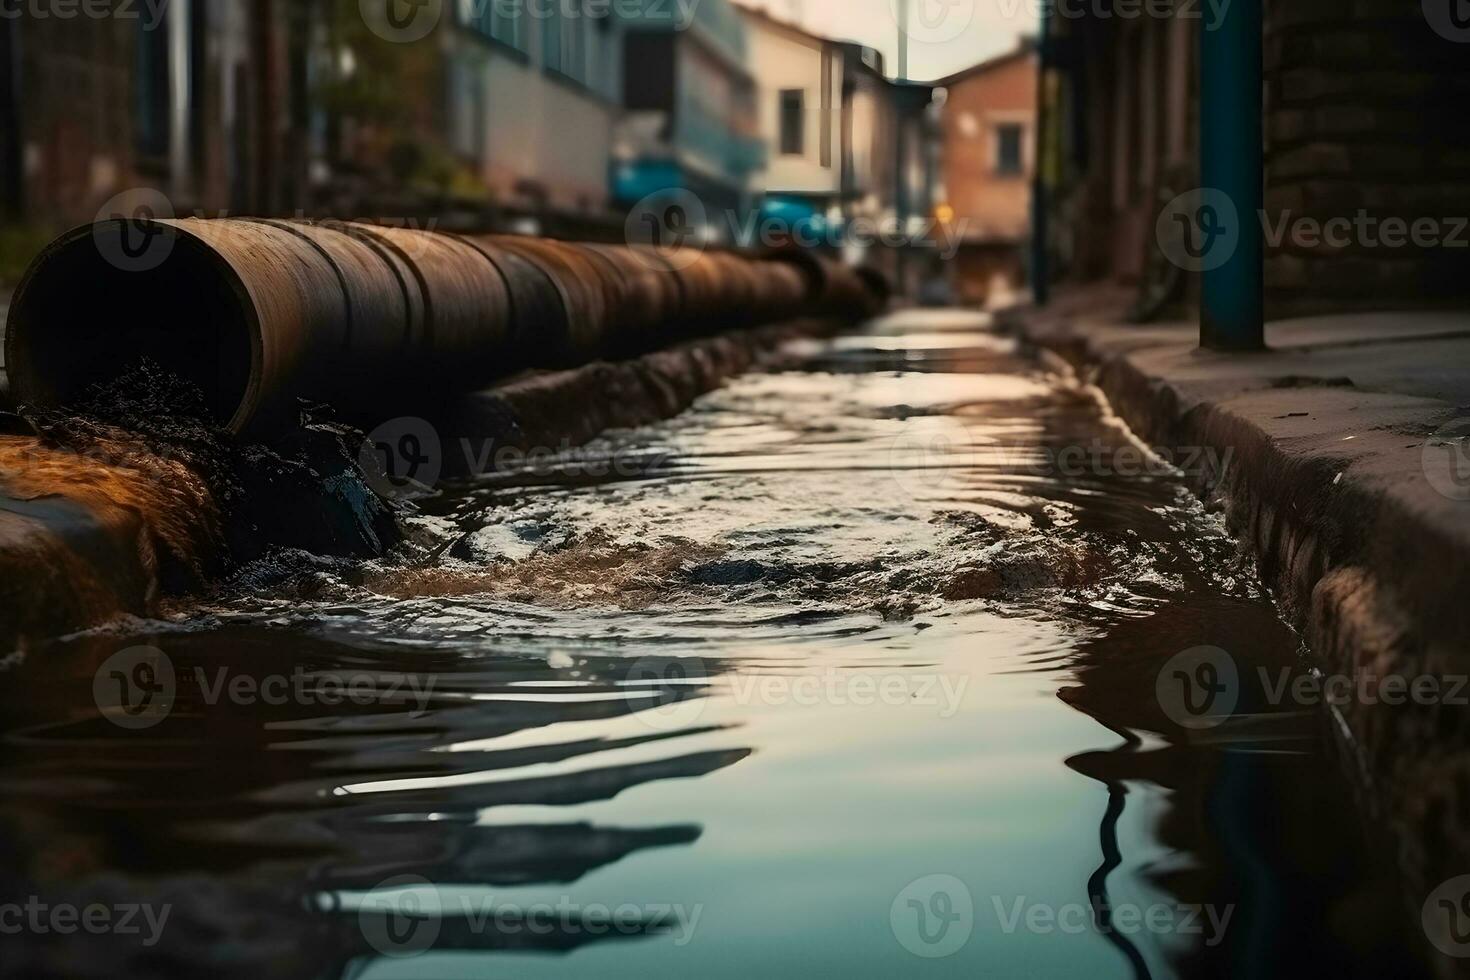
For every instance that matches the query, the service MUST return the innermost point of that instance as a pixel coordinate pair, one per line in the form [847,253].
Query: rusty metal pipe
[261,312]
[258,313]
[234,306]
[583,293]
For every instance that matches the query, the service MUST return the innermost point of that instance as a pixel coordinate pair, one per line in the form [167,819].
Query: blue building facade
[689,121]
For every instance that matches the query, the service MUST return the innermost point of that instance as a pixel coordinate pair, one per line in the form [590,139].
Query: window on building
[793,122]
[574,47]
[565,43]
[551,31]
[507,24]
[1009,149]
[498,19]
[467,109]
[828,69]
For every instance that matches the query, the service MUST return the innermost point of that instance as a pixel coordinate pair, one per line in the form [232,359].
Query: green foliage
[384,77]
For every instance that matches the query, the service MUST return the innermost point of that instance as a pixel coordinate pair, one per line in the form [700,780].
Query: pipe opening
[80,319]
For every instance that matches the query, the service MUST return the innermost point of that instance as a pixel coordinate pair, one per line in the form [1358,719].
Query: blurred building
[500,114]
[851,152]
[690,119]
[988,127]
[209,104]
[532,103]
[800,112]
[546,117]
[1364,112]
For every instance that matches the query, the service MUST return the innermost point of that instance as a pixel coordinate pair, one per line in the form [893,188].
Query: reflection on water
[838,673]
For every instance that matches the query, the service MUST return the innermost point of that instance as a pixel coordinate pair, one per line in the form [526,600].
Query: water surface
[851,670]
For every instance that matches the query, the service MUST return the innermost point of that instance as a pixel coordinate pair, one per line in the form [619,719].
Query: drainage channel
[901,659]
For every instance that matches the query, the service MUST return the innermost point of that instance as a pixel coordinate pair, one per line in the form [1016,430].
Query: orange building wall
[989,207]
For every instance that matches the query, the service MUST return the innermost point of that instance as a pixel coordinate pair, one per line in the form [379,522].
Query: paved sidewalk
[1348,474]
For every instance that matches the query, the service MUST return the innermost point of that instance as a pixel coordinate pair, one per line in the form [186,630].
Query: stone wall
[1367,127]
[1368,120]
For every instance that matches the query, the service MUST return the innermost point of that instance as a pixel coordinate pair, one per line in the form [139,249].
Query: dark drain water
[853,670]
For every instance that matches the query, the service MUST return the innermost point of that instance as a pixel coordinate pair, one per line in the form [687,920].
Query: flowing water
[852,670]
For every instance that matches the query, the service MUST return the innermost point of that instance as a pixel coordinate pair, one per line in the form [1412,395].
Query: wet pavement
[861,667]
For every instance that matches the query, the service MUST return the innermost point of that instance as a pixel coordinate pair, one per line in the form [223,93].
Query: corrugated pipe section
[261,312]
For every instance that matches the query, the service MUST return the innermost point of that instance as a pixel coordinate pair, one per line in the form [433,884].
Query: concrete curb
[1327,480]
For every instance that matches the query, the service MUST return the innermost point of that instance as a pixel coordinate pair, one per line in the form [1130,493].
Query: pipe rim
[26,382]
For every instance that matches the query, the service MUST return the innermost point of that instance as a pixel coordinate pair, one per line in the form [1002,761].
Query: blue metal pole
[1231,161]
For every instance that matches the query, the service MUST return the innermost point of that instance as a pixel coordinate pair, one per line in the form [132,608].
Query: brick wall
[1367,108]
[994,206]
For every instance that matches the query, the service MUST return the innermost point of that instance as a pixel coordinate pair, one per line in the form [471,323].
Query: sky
[945,35]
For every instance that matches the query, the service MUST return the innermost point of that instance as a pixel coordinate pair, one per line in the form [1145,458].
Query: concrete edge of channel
[1371,577]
